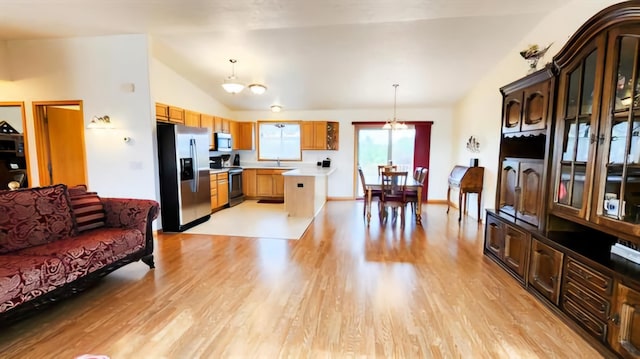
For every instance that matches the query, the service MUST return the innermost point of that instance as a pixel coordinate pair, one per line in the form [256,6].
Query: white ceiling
[311,54]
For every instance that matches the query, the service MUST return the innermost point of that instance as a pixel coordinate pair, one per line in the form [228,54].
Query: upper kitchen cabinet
[597,163]
[242,135]
[319,135]
[162,112]
[221,125]
[171,114]
[206,121]
[191,118]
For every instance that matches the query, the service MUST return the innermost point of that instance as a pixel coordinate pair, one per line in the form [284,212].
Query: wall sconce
[100,122]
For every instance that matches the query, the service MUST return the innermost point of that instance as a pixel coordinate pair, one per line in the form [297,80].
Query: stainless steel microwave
[222,142]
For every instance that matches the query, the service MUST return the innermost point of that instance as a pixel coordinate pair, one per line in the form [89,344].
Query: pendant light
[231,83]
[394,124]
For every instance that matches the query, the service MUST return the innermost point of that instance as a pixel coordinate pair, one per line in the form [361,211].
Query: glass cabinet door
[620,194]
[577,131]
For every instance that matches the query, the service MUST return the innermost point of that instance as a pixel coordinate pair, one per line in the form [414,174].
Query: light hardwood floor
[342,290]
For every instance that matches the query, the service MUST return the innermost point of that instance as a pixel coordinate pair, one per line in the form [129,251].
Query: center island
[305,190]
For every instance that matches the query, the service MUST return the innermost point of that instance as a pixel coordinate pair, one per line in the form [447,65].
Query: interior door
[65,133]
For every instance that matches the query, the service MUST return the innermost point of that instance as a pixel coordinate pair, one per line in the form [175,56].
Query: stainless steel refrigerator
[185,193]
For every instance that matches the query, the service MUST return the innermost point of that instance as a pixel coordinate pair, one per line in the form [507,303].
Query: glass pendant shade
[231,83]
[394,124]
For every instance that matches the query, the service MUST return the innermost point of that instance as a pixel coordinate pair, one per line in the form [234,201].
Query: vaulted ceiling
[330,54]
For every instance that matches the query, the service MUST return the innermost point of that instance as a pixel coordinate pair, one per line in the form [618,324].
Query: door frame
[42,137]
[25,137]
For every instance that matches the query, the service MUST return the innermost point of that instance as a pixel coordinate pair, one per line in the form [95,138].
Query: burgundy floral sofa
[56,241]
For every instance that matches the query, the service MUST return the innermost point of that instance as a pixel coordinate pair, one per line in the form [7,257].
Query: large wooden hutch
[569,182]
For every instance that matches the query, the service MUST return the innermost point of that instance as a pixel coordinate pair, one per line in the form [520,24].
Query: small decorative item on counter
[532,54]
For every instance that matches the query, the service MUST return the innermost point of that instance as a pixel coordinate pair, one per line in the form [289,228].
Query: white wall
[110,76]
[4,66]
[479,113]
[341,182]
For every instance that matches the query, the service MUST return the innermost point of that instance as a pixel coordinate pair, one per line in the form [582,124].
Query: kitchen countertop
[310,172]
[218,170]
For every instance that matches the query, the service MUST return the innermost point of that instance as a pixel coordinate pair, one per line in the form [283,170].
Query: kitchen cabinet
[625,333]
[162,112]
[223,189]
[213,183]
[222,125]
[249,183]
[319,135]
[191,118]
[242,135]
[521,189]
[176,115]
[509,245]
[270,183]
[545,270]
[206,121]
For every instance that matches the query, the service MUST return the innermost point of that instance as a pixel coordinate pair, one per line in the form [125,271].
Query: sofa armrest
[130,213]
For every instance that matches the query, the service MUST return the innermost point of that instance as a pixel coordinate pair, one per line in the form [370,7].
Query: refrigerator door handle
[194,154]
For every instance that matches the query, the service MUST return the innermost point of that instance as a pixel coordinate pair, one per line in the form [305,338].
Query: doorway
[59,135]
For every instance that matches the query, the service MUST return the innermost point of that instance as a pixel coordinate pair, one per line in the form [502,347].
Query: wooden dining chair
[416,172]
[386,168]
[375,193]
[393,195]
[412,195]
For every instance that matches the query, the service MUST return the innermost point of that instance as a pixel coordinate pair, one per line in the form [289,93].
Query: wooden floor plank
[342,290]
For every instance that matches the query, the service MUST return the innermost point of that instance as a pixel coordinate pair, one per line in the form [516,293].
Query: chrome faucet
[278,161]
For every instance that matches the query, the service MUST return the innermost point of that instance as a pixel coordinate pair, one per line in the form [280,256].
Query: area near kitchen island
[305,190]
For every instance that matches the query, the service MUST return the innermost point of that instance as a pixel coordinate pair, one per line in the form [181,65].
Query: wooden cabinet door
[625,333]
[307,137]
[226,125]
[534,114]
[223,189]
[530,189]
[264,184]
[516,250]
[249,182]
[512,112]
[162,112]
[545,270]
[243,138]
[320,135]
[494,237]
[191,118]
[234,130]
[176,115]
[214,190]
[206,121]
[278,185]
[217,124]
[508,186]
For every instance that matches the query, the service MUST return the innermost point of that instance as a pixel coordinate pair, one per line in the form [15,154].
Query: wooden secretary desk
[465,180]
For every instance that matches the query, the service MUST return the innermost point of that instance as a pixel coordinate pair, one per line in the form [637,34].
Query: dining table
[374,182]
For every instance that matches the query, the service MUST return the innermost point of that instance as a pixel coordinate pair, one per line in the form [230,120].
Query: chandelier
[394,124]
[231,83]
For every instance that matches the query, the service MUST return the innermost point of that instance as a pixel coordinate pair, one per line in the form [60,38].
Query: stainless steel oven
[235,186]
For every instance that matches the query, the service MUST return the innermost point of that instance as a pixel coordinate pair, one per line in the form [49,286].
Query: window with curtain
[279,141]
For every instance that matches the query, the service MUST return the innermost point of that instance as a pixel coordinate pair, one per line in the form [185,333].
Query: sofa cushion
[34,216]
[87,210]
[23,278]
[90,250]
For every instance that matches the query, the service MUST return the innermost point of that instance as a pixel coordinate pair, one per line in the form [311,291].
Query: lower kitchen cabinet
[269,183]
[625,332]
[545,271]
[509,245]
[249,182]
[219,189]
